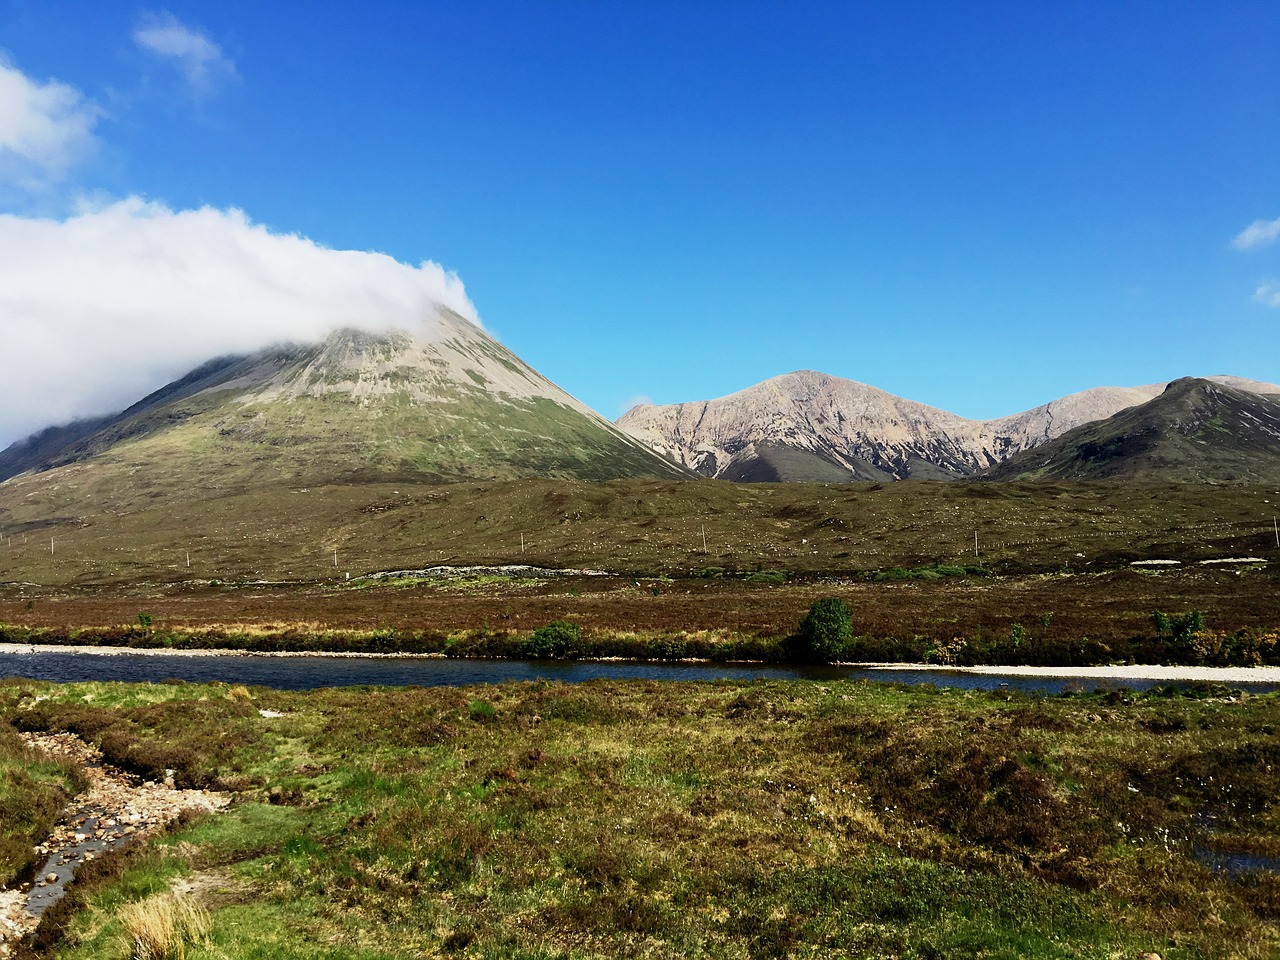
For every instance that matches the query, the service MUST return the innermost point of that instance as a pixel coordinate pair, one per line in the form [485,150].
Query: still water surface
[309,673]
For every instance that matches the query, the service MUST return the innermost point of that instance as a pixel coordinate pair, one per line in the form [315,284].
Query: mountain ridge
[860,432]
[1197,430]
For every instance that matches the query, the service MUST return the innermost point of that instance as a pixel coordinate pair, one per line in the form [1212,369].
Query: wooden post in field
[704,538]
[51,546]
[335,558]
[975,544]
[522,543]
[188,559]
[1276,526]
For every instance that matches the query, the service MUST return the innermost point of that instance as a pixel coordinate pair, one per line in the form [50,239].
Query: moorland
[1060,572]
[609,819]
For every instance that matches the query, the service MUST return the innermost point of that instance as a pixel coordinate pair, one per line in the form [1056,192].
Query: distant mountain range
[816,427]
[446,402]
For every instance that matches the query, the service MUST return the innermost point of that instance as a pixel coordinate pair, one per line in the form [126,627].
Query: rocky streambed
[116,809]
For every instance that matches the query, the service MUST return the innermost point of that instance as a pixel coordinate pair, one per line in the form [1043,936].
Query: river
[303,672]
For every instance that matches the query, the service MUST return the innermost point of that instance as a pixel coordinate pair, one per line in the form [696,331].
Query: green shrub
[553,641]
[670,648]
[768,576]
[1185,636]
[893,573]
[825,630]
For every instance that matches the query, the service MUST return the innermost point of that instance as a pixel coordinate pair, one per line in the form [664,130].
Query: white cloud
[201,60]
[99,309]
[1257,234]
[45,129]
[1268,293]
[638,400]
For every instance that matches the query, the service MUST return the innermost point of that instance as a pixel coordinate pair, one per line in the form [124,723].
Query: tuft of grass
[161,927]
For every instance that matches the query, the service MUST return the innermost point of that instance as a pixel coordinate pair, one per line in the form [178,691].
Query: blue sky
[980,206]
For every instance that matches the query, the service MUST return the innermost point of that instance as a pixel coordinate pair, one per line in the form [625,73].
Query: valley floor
[1059,619]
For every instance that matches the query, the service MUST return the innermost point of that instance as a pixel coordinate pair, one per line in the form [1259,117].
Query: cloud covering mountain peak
[103,306]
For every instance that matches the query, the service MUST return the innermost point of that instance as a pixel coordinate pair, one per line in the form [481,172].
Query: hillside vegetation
[91,528]
[1195,431]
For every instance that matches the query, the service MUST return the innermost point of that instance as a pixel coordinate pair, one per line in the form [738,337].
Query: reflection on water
[309,673]
[1234,865]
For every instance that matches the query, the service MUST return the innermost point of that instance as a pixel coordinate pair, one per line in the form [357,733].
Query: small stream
[1235,865]
[305,672]
[48,885]
[114,809]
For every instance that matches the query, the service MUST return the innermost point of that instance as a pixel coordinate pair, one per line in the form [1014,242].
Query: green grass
[695,820]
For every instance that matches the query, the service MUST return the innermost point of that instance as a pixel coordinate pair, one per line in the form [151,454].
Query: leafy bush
[1185,633]
[935,572]
[768,576]
[1180,627]
[825,630]
[552,641]
[894,573]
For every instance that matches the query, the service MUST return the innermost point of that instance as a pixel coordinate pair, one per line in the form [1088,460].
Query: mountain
[1196,430]
[812,426]
[445,402]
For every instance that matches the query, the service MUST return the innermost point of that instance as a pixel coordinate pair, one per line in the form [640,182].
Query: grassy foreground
[718,820]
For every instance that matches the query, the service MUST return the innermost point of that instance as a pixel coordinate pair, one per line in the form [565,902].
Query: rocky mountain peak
[810,425]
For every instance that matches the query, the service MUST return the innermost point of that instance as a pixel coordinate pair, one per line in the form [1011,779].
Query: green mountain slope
[1195,431]
[446,403]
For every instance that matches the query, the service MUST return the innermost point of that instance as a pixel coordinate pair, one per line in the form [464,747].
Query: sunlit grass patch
[162,927]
